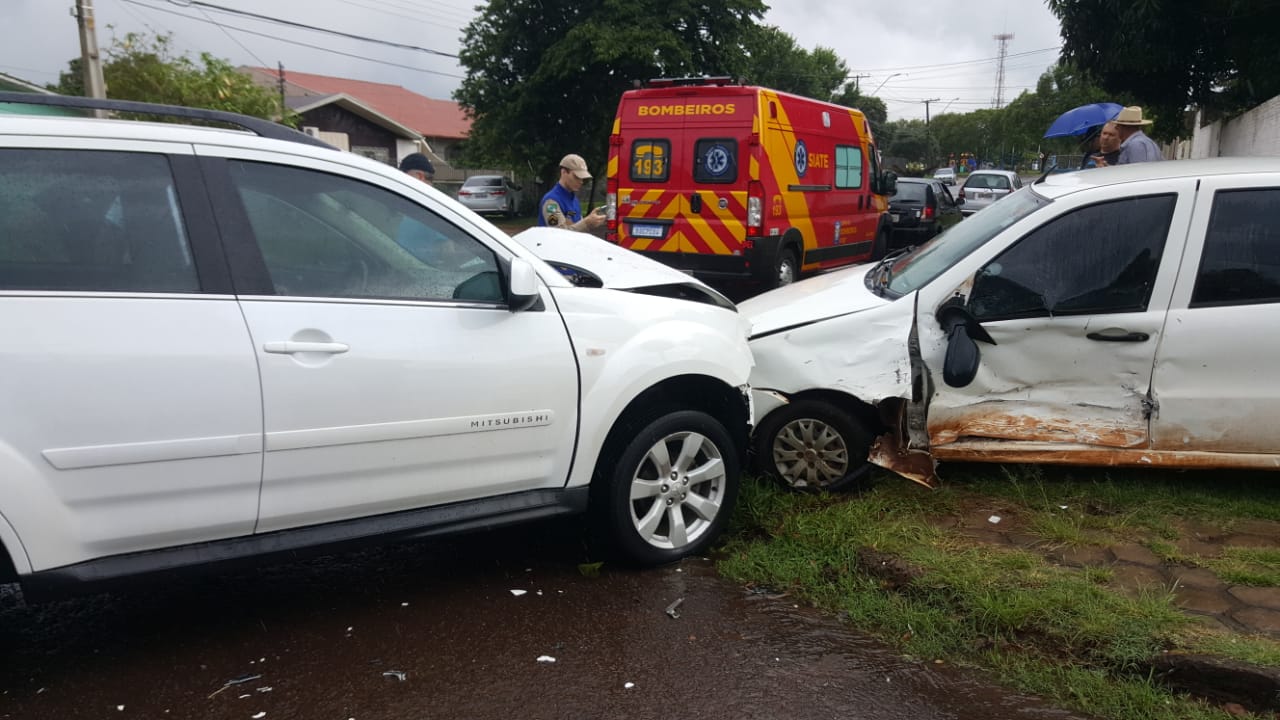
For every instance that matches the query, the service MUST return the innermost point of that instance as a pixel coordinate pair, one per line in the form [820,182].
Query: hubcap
[810,453]
[677,490]
[786,273]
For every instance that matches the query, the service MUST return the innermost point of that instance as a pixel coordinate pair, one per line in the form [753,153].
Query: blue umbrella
[1078,121]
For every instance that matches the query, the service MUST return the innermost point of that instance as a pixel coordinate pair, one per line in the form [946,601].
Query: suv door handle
[289,347]
[695,202]
[1118,335]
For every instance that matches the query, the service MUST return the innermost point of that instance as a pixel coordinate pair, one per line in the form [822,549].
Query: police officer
[560,206]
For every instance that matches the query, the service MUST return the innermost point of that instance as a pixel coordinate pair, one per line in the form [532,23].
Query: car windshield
[987,182]
[915,270]
[909,191]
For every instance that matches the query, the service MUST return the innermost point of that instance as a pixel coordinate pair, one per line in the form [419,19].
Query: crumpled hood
[616,267]
[828,295]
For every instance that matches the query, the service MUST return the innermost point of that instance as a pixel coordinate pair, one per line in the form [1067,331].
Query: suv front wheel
[670,490]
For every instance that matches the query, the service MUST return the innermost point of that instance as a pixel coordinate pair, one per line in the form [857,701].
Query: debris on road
[518,593]
[628,685]
[397,674]
[994,519]
[673,608]
[546,659]
[236,681]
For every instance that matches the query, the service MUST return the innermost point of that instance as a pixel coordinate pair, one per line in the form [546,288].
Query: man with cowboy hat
[1135,146]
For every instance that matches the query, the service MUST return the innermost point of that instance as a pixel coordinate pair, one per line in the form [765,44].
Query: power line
[303,26]
[962,62]
[302,44]
[401,15]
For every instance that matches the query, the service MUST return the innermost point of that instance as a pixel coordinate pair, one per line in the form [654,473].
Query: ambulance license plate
[647,231]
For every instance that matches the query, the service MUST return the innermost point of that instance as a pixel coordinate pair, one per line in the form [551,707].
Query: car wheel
[813,445]
[669,491]
[881,246]
[786,269]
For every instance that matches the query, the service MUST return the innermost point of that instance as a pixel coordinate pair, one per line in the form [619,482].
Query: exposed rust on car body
[889,453]
[1060,454]
[993,421]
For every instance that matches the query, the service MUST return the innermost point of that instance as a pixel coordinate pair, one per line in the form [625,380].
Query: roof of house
[304,103]
[430,117]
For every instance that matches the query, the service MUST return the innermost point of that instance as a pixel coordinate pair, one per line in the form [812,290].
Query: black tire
[646,530]
[813,445]
[881,246]
[786,269]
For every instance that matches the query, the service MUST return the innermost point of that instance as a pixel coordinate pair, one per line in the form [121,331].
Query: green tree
[850,95]
[144,68]
[544,76]
[1221,55]
[913,142]
[776,61]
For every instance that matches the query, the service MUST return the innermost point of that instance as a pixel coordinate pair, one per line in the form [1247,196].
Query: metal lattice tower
[1003,39]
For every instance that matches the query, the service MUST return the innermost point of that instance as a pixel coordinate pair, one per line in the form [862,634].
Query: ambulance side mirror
[885,184]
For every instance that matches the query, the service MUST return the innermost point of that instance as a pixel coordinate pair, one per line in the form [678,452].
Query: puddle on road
[434,630]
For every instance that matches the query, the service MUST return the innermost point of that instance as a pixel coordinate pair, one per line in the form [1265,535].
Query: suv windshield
[915,270]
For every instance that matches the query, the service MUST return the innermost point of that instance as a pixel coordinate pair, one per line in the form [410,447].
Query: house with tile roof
[374,116]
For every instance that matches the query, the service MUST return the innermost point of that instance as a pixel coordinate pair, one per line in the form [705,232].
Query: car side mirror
[960,364]
[889,183]
[522,288]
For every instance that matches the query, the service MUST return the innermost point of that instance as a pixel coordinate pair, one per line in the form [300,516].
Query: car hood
[833,294]
[588,261]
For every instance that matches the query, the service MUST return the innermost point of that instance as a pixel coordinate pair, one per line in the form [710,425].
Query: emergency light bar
[680,82]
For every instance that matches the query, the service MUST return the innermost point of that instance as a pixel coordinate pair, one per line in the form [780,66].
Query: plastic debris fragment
[546,659]
[518,593]
[397,674]
[628,685]
[674,608]
[994,519]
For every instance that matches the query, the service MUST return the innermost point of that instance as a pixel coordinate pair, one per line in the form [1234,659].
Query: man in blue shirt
[1135,146]
[560,206]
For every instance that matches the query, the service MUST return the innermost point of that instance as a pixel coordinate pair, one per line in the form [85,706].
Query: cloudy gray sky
[911,51]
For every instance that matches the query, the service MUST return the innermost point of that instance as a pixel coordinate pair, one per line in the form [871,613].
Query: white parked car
[984,187]
[946,175]
[1120,317]
[220,346]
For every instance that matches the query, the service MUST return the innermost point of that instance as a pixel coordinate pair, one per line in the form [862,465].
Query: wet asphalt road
[432,630]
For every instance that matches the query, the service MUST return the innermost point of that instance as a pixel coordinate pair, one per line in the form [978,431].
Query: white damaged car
[225,346]
[1118,317]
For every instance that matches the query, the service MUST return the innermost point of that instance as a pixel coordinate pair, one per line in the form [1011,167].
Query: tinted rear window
[987,182]
[913,192]
[483,182]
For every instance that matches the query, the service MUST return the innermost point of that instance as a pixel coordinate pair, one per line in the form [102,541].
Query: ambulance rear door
[648,160]
[714,181]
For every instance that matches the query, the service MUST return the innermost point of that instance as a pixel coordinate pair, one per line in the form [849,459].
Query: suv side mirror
[522,289]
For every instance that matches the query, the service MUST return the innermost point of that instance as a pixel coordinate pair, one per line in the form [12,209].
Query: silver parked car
[492,194]
[984,187]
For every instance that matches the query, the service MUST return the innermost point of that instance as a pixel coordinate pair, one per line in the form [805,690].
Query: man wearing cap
[560,207]
[419,166]
[1135,146]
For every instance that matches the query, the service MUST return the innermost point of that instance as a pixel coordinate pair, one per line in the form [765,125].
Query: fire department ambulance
[739,182]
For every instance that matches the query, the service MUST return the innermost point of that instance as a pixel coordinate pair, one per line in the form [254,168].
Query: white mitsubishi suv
[221,345]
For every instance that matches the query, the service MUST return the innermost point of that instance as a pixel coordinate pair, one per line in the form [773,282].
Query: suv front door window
[397,369]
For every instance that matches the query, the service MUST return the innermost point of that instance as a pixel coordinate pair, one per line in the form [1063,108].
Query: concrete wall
[1254,133]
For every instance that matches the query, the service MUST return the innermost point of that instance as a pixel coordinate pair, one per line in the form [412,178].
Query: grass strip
[1060,632]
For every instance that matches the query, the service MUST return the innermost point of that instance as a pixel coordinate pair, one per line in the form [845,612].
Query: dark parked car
[920,209]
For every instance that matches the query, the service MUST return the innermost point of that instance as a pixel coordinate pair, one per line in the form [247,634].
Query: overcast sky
[942,50]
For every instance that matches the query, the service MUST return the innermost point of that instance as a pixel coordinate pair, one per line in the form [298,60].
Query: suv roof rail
[256,125]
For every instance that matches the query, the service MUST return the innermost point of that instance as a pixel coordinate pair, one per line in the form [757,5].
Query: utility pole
[90,62]
[283,110]
[926,108]
[857,84]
